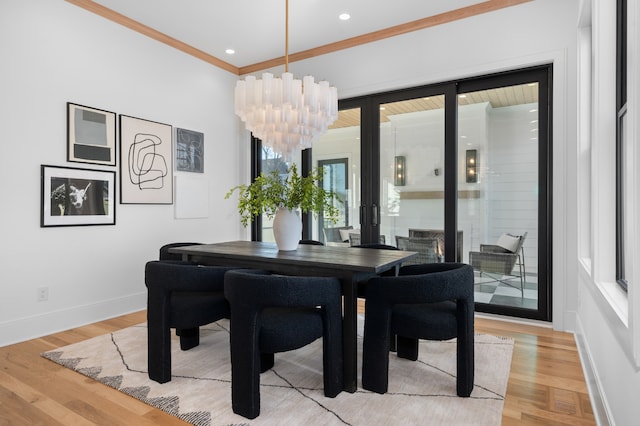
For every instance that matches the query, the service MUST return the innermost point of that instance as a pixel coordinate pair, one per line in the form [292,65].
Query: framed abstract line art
[74,197]
[189,151]
[91,135]
[146,162]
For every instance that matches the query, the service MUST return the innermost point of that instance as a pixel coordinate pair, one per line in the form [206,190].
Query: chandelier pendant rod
[286,37]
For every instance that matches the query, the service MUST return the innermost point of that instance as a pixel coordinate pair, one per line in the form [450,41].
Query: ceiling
[255,29]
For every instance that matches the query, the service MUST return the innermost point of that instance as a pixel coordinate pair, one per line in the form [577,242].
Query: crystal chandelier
[286,113]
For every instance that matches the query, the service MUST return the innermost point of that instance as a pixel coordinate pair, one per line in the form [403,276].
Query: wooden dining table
[350,265]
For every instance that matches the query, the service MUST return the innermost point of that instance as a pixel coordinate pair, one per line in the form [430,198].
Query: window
[622,169]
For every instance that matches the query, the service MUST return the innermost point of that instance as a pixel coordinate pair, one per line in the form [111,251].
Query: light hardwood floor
[546,383]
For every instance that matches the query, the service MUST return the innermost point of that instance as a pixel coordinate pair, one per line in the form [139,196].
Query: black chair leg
[407,348]
[189,338]
[266,362]
[158,353]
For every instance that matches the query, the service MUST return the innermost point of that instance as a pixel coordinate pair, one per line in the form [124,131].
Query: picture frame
[91,135]
[146,161]
[189,151]
[75,197]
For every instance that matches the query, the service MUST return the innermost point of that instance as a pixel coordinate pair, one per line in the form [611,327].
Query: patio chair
[439,235]
[427,249]
[355,239]
[333,235]
[498,261]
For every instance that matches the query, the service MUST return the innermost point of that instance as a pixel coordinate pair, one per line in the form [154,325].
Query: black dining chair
[183,296]
[275,313]
[430,301]
[362,285]
[311,242]
[164,250]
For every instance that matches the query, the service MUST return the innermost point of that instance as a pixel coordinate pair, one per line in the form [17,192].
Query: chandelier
[286,113]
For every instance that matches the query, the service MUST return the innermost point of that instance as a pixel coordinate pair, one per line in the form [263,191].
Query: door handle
[374,215]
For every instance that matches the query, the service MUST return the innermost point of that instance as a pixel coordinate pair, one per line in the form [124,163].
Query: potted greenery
[281,197]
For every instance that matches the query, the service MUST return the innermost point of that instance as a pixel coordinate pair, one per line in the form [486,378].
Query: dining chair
[362,285]
[164,250]
[432,302]
[311,242]
[276,313]
[184,296]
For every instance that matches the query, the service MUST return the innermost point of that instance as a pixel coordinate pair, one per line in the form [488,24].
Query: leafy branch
[272,191]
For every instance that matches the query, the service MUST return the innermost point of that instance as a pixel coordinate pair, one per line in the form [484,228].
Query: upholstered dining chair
[431,301]
[362,285]
[311,242]
[164,250]
[275,313]
[183,296]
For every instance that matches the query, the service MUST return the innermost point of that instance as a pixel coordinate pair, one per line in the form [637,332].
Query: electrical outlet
[43,294]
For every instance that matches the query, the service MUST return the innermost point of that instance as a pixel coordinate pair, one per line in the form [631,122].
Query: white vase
[287,229]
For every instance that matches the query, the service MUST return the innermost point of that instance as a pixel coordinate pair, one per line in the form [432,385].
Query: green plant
[270,192]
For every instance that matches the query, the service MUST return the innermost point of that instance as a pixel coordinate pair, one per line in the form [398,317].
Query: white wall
[52,53]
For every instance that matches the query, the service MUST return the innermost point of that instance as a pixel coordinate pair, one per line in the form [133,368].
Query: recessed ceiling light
[230,51]
[344,16]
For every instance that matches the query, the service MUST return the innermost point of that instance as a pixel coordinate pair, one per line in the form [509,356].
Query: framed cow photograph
[76,197]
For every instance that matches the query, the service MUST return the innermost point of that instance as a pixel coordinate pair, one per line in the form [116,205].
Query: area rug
[420,392]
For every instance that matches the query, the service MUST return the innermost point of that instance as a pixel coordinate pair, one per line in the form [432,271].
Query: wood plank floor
[546,383]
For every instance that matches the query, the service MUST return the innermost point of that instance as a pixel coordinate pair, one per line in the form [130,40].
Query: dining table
[349,264]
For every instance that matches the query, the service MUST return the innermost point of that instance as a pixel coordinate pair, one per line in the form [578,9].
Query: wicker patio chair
[498,261]
[427,249]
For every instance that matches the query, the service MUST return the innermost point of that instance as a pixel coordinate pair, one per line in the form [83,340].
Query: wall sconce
[400,171]
[472,166]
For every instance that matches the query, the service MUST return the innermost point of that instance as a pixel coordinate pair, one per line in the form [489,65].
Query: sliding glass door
[457,171]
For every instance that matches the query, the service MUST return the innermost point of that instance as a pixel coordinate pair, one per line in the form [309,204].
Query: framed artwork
[91,135]
[189,151]
[73,197]
[146,162]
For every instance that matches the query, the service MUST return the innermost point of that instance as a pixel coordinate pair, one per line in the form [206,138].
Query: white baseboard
[600,412]
[22,329]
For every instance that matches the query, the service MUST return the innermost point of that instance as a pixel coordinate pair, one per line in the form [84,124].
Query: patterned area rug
[420,392]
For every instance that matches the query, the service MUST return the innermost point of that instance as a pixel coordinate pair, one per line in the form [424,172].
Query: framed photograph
[91,135]
[74,197]
[146,162]
[189,151]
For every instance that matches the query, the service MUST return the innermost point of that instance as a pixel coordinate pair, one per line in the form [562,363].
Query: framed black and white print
[146,162]
[74,197]
[189,151]
[91,135]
